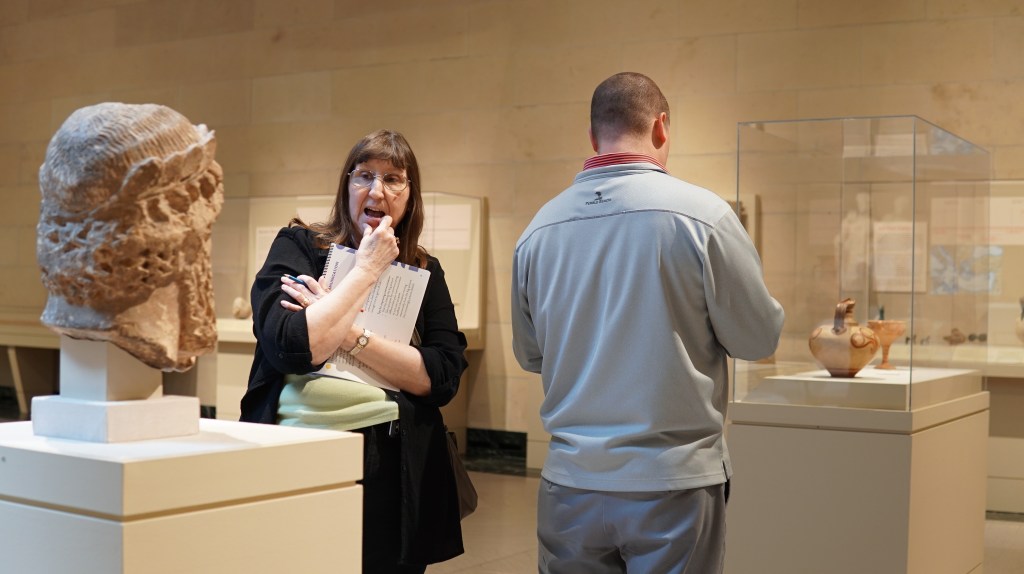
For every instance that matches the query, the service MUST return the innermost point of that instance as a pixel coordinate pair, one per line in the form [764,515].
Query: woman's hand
[330,322]
[303,289]
[378,248]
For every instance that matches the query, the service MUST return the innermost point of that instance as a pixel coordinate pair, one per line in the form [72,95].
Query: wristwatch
[361,342]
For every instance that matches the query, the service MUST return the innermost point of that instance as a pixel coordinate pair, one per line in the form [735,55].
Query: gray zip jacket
[630,289]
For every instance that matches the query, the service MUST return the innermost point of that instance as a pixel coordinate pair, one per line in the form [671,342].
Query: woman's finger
[316,289]
[294,282]
[296,292]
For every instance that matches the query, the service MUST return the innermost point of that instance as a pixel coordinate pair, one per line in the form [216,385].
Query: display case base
[1006,474]
[872,388]
[849,491]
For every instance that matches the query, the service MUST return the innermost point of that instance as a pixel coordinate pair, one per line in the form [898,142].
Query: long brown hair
[390,146]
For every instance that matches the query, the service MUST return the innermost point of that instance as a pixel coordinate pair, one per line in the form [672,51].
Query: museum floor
[499,537]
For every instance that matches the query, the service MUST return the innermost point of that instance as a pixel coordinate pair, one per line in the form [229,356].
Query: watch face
[362,340]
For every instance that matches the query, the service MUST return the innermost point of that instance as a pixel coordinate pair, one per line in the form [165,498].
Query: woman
[410,505]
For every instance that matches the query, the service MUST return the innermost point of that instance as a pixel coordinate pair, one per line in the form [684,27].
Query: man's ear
[659,133]
[593,142]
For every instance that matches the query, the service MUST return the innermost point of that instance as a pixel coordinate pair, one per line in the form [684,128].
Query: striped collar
[607,159]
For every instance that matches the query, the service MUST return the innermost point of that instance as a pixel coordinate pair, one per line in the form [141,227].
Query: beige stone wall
[493,95]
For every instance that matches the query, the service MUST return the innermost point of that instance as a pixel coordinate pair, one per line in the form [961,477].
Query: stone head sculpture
[129,197]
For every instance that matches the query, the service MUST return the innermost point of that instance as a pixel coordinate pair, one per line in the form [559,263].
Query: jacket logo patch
[599,199]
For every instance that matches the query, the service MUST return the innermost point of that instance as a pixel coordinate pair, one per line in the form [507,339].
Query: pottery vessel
[887,330]
[1020,322]
[843,347]
[955,337]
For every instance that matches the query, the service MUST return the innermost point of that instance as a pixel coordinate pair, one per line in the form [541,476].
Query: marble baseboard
[497,452]
[9,405]
[1004,516]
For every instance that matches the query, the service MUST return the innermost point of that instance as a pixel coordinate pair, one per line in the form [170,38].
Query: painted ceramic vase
[843,348]
[1020,322]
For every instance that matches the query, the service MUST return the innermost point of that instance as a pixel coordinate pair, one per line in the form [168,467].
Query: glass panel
[889,215]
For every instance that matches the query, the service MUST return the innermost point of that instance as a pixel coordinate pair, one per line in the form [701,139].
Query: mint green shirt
[333,404]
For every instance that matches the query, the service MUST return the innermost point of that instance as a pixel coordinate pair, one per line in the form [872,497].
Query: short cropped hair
[625,104]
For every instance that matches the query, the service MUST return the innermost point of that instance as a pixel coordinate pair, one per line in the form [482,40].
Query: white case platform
[236,497]
[853,489]
[871,389]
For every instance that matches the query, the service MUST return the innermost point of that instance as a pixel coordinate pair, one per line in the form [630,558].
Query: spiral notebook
[390,311]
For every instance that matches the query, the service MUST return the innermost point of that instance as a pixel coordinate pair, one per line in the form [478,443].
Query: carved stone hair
[129,196]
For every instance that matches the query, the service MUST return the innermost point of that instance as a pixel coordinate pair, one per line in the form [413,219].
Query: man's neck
[632,146]
[625,145]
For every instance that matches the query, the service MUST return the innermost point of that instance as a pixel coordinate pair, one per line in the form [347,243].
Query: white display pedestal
[235,497]
[106,395]
[853,490]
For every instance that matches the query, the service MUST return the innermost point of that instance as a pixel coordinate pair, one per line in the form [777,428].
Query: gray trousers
[599,532]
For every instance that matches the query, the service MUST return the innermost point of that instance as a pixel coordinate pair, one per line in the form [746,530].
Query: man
[629,291]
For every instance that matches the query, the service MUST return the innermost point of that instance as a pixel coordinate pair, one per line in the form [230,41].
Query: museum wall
[492,94]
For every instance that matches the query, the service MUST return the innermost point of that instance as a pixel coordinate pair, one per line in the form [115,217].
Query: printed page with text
[390,311]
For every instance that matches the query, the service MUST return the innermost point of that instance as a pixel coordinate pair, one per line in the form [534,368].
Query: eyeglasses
[393,182]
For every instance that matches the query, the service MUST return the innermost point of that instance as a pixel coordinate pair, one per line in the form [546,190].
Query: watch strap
[361,342]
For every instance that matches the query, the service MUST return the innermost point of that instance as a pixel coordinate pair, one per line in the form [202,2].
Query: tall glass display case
[874,237]
[887,214]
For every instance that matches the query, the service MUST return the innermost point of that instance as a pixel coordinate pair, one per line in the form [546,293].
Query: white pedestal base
[115,421]
[235,497]
[300,534]
[850,491]
[108,396]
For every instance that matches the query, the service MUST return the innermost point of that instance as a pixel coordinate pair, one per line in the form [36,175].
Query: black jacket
[431,529]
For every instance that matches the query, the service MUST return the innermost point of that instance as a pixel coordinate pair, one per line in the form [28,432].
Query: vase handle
[839,322]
